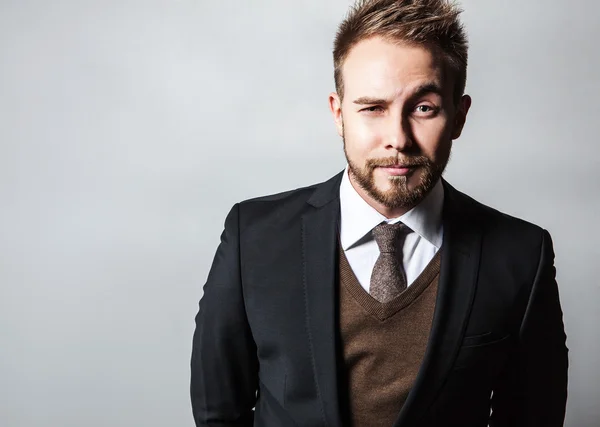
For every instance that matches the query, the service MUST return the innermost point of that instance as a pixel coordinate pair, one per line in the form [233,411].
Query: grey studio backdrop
[129,128]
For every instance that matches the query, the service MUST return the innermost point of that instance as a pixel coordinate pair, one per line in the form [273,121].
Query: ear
[461,115]
[335,105]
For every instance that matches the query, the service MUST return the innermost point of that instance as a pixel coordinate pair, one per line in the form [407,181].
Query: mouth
[398,170]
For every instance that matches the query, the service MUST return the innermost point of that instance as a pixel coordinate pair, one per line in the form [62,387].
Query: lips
[397,170]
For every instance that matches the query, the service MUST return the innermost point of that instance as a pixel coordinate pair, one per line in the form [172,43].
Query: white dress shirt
[358,218]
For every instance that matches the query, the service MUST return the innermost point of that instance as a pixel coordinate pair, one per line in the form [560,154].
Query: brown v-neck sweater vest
[383,344]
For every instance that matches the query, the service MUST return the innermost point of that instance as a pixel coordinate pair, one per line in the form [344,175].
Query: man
[383,296]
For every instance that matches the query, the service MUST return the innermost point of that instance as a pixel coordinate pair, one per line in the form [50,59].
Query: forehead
[375,65]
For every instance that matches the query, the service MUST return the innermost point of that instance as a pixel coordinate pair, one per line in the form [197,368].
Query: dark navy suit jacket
[266,347]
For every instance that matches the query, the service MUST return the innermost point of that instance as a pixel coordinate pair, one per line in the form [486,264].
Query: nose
[399,135]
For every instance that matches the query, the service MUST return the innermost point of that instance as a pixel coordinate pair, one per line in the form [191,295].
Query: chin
[386,184]
[410,181]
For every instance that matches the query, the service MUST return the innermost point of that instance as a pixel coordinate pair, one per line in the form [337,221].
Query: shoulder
[281,208]
[501,230]
[492,215]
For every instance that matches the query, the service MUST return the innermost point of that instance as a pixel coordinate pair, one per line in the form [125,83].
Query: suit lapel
[319,248]
[456,291]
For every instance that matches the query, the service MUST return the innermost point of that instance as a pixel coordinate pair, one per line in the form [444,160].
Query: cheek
[361,135]
[433,138]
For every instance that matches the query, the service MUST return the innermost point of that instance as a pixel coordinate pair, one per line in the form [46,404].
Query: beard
[399,195]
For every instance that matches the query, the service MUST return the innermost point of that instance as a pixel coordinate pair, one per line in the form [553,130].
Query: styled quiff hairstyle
[430,23]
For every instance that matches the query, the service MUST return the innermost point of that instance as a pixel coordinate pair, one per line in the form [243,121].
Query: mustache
[391,161]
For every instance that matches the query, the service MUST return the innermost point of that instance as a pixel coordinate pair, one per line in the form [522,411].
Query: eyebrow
[420,91]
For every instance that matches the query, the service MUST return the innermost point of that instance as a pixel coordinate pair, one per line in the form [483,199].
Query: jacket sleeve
[532,392]
[224,366]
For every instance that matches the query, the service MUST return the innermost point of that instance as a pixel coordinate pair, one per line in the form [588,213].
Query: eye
[373,109]
[426,110]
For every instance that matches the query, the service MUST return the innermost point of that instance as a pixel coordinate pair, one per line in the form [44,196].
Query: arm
[224,366]
[532,392]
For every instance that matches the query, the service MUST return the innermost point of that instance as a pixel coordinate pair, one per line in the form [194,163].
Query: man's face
[398,119]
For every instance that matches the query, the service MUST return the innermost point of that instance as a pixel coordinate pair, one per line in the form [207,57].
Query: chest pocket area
[484,353]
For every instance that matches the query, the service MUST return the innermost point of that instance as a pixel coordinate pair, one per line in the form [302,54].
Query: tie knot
[387,236]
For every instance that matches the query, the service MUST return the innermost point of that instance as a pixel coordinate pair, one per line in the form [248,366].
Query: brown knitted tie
[388,279]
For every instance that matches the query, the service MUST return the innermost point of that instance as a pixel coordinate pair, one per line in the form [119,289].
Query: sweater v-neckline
[385,310]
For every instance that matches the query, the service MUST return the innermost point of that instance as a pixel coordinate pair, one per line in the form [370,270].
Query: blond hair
[430,23]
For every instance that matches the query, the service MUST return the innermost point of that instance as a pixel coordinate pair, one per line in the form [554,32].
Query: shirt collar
[358,218]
